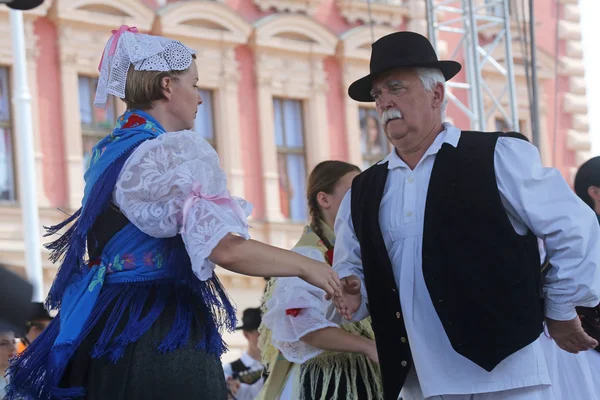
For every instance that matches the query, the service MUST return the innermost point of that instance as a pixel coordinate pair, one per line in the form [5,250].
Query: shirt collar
[247,360]
[450,135]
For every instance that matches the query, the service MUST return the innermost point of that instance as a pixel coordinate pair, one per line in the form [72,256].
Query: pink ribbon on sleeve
[116,34]
[222,199]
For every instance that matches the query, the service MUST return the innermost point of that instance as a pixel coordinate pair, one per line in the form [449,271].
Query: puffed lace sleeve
[174,185]
[295,309]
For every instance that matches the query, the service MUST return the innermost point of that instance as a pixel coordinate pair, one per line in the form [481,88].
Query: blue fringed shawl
[132,264]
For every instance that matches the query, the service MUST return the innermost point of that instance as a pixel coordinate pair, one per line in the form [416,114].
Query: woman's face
[334,200]
[7,348]
[184,98]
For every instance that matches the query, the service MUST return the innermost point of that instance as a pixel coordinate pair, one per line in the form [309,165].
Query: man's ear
[594,193]
[439,93]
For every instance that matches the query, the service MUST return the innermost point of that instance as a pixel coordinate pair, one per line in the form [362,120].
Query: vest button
[403,339]
[398,315]
[403,363]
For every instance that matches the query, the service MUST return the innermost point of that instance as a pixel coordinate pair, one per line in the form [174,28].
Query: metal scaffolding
[481,30]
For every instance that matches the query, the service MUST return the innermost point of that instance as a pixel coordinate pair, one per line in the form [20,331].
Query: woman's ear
[323,200]
[166,85]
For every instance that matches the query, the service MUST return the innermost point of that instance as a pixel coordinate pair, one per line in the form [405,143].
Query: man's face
[37,327]
[407,112]
[252,337]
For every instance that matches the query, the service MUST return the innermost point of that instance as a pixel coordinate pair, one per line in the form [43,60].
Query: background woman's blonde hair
[144,87]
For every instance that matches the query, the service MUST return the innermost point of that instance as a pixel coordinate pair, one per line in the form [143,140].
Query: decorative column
[572,66]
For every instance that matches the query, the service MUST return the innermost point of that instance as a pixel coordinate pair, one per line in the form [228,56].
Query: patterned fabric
[175,185]
[134,267]
[127,47]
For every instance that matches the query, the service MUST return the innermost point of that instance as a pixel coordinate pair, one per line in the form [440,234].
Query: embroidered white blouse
[174,185]
[286,330]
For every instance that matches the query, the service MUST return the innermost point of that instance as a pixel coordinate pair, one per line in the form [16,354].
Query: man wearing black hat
[38,321]
[244,376]
[438,243]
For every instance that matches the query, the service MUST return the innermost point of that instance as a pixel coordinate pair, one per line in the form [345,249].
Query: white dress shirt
[534,197]
[246,392]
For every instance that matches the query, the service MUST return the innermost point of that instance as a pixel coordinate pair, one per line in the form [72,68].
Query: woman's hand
[371,352]
[253,258]
[322,276]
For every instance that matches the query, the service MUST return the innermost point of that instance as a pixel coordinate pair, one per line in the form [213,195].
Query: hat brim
[360,90]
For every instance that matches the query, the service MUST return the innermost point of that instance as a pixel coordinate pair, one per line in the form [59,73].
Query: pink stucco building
[274,75]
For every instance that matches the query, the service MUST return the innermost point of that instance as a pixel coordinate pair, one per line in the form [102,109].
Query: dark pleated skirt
[145,373]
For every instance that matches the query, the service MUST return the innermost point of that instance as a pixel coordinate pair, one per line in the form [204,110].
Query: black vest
[483,278]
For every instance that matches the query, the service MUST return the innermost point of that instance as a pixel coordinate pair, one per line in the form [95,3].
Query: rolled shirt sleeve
[540,199]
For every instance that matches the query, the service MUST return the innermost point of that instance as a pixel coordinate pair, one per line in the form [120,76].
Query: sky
[590,31]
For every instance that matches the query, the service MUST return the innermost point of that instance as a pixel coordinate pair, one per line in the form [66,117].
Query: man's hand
[233,385]
[350,298]
[570,336]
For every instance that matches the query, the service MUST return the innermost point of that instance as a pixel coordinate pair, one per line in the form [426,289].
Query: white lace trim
[287,330]
[157,179]
[146,53]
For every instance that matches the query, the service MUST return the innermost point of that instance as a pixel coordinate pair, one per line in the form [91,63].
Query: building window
[7,172]
[291,163]
[96,122]
[373,143]
[204,123]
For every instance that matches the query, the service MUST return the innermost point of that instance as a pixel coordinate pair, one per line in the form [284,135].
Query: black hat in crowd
[251,319]
[39,313]
[15,301]
[400,50]
[587,175]
[23,4]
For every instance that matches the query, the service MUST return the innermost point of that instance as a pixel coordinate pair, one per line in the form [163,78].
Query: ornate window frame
[6,60]
[354,54]
[214,31]
[304,6]
[83,28]
[390,12]
[289,51]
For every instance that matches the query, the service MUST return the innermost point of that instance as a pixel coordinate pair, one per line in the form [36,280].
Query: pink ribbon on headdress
[223,199]
[115,37]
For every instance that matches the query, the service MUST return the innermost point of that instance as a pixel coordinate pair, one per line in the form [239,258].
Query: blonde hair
[142,88]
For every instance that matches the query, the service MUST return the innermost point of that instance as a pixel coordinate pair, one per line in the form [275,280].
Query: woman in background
[307,356]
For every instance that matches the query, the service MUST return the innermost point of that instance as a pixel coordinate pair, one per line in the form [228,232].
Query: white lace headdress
[146,52]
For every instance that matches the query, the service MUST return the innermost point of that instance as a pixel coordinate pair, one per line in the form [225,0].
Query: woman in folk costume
[575,376]
[140,316]
[308,356]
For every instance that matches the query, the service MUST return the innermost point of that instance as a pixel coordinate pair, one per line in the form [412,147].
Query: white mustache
[390,113]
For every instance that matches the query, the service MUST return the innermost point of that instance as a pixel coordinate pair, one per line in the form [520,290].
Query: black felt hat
[251,319]
[15,301]
[400,50]
[39,313]
[24,4]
